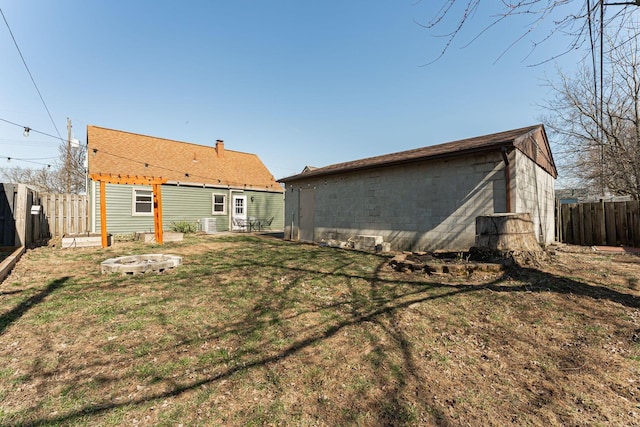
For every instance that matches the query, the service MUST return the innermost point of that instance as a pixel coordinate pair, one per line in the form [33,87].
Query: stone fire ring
[137,264]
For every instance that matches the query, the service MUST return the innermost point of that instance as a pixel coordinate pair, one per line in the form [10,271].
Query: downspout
[507,177]
[93,206]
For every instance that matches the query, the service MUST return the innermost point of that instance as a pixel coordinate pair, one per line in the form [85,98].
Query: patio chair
[266,223]
[242,224]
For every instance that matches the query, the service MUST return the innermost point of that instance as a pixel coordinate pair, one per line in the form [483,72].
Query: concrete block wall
[535,195]
[421,206]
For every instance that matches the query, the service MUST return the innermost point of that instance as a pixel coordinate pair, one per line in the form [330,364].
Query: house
[574,195]
[211,186]
[427,198]
[587,195]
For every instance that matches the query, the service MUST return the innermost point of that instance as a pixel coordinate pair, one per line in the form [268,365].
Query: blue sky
[295,82]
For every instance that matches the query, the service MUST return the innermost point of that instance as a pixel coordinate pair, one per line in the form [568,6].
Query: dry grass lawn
[252,330]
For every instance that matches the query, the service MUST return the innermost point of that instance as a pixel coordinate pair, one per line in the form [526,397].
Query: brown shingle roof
[532,141]
[123,153]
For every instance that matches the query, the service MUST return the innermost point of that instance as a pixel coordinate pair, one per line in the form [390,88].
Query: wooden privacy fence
[20,224]
[66,213]
[600,223]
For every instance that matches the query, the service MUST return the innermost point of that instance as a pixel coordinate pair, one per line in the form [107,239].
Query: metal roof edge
[386,161]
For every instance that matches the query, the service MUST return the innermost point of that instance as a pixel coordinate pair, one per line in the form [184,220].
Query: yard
[253,330]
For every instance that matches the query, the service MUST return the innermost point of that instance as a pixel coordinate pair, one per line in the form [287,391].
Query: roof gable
[123,153]
[532,141]
[535,145]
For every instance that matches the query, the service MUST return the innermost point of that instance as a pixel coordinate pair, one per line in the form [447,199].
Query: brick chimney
[220,148]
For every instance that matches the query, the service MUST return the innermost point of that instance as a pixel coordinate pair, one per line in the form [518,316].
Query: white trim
[230,206]
[133,201]
[93,206]
[213,204]
[221,186]
[234,215]
[197,184]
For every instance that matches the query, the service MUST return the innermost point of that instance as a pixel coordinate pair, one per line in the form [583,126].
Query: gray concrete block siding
[420,206]
[427,198]
[535,194]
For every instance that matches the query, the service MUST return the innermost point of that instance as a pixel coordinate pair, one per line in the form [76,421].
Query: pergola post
[157,212]
[103,213]
[155,182]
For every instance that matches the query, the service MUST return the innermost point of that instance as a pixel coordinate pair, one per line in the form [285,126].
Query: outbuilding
[427,198]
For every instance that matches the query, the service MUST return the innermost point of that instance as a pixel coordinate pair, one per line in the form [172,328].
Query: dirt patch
[435,264]
[477,261]
[258,331]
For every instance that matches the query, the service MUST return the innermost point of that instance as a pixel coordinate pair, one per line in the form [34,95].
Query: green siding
[182,203]
[119,207]
[266,205]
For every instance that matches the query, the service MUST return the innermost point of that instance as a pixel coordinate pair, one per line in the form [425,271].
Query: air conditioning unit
[208,225]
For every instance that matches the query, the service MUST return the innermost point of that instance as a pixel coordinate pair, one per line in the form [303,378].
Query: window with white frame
[142,202]
[219,204]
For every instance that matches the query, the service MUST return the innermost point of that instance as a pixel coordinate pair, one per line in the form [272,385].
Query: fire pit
[136,264]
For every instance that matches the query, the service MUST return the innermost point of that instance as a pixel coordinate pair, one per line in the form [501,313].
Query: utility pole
[67,161]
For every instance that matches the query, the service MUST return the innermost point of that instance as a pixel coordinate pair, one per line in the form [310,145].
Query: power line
[25,142]
[102,151]
[9,158]
[207,179]
[602,131]
[48,165]
[30,129]
[30,75]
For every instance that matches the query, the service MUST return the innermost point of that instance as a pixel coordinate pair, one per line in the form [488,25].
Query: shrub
[185,227]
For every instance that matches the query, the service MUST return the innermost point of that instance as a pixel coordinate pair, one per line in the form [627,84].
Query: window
[219,204]
[142,202]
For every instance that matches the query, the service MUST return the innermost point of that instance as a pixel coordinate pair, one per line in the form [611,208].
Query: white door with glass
[239,212]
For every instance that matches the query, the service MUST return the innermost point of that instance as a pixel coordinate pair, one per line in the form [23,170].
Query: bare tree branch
[59,179]
[578,21]
[600,148]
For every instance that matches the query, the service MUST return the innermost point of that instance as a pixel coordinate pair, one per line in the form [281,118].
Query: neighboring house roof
[123,153]
[575,193]
[587,195]
[532,141]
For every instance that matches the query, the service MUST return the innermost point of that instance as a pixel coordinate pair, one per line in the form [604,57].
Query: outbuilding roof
[117,152]
[531,140]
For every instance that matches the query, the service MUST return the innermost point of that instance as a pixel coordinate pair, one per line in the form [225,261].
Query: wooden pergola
[155,183]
